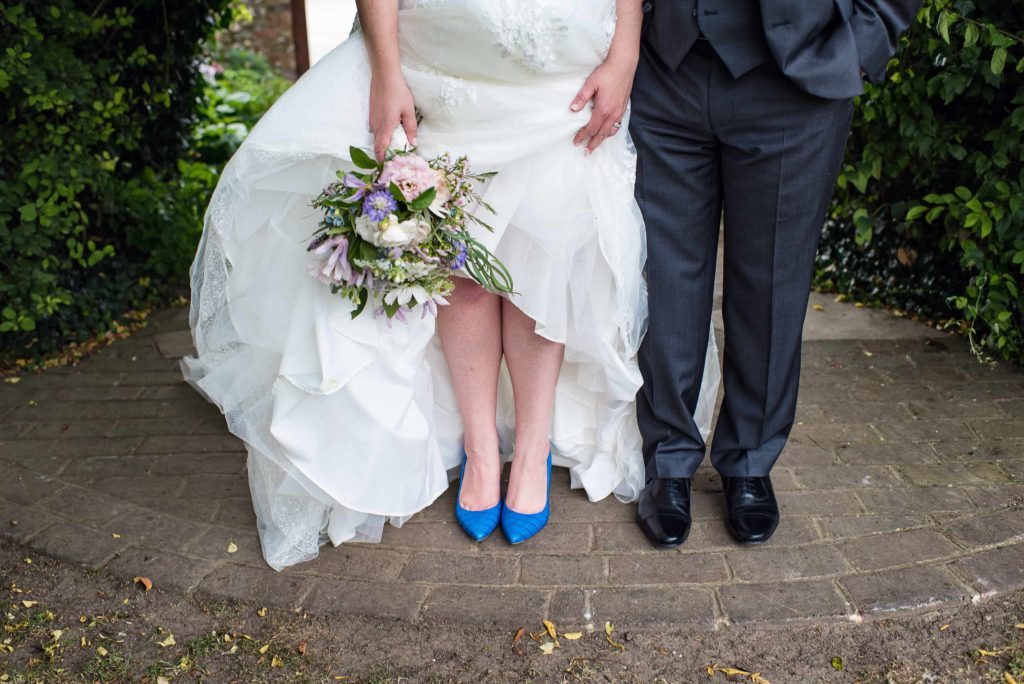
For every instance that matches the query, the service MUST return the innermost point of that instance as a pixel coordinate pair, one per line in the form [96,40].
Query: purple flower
[355,183]
[378,205]
[460,256]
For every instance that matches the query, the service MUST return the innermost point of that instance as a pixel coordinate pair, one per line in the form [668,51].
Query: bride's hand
[391,104]
[608,88]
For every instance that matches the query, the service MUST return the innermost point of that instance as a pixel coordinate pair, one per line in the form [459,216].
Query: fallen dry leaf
[262,612]
[162,680]
[12,381]
[264,648]
[818,307]
[301,648]
[519,635]
[168,642]
[1020,625]
[944,627]
[115,535]
[550,627]
[276,662]
[608,629]
[1009,678]
[547,648]
[29,604]
[101,651]
[837,663]
[144,582]
[572,636]
[232,547]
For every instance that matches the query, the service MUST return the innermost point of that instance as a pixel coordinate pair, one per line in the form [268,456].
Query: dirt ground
[66,624]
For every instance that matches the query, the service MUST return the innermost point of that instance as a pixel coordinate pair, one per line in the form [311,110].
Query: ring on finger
[617,125]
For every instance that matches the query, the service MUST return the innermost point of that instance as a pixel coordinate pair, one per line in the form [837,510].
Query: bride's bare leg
[533,363]
[470,330]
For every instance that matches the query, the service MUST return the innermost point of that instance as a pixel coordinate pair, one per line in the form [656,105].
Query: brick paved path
[901,489]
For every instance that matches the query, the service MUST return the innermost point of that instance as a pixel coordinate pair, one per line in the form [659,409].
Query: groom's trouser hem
[673,464]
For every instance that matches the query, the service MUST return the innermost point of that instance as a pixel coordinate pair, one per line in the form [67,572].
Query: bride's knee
[469,293]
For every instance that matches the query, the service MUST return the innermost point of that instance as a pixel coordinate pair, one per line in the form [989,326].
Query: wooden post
[300,36]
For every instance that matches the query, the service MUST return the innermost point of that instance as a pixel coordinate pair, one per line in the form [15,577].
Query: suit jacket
[823,46]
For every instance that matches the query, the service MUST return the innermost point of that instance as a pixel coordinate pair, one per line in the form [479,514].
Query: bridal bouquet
[393,233]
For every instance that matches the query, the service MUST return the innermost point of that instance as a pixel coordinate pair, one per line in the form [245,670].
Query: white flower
[395,233]
[369,230]
[406,294]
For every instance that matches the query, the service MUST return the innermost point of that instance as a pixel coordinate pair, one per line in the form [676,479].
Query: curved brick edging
[901,490]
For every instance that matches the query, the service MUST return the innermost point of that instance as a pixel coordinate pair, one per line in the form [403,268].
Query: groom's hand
[607,89]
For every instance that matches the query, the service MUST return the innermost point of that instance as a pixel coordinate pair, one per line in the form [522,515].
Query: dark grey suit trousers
[767,154]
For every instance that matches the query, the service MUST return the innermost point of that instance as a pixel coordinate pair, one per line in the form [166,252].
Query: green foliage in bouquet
[112,142]
[929,216]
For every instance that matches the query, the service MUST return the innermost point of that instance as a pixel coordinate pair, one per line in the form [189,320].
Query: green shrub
[110,152]
[929,216]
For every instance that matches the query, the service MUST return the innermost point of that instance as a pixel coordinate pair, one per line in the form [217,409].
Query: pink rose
[411,173]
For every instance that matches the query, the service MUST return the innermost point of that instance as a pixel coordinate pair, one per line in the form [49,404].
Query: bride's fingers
[596,123]
[382,138]
[409,124]
[584,96]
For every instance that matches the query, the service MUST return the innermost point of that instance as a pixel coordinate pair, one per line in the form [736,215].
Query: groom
[741,107]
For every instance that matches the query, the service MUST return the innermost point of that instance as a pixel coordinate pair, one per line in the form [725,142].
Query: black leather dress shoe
[663,511]
[752,511]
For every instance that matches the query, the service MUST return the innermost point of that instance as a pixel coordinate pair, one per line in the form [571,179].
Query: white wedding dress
[349,423]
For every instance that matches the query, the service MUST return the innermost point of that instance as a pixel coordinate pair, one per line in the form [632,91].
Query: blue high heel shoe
[477,524]
[518,527]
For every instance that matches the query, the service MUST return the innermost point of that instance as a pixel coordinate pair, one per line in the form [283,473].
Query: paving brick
[906,589]
[998,570]
[262,586]
[1013,407]
[980,450]
[806,455]
[49,410]
[567,538]
[196,510]
[167,570]
[140,488]
[21,523]
[999,429]
[766,564]
[190,444]
[445,536]
[862,525]
[891,392]
[817,503]
[573,506]
[931,375]
[155,530]
[120,410]
[1014,469]
[925,431]
[570,608]
[1000,527]
[833,434]
[936,409]
[234,513]
[214,544]
[713,534]
[865,412]
[620,537]
[952,474]
[784,602]
[395,600]
[629,606]
[915,500]
[886,454]
[356,562]
[454,568]
[511,607]
[78,544]
[845,476]
[89,469]
[667,568]
[86,505]
[898,548]
[53,465]
[25,487]
[995,496]
[67,429]
[215,485]
[550,571]
[227,463]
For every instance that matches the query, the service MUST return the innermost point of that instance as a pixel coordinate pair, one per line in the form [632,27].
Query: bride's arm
[391,101]
[610,84]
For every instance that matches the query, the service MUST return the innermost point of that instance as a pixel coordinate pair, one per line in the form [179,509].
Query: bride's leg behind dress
[533,364]
[470,331]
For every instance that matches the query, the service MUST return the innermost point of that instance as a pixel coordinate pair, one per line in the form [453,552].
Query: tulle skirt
[351,423]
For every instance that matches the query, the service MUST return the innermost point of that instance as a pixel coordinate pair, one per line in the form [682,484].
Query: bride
[350,423]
